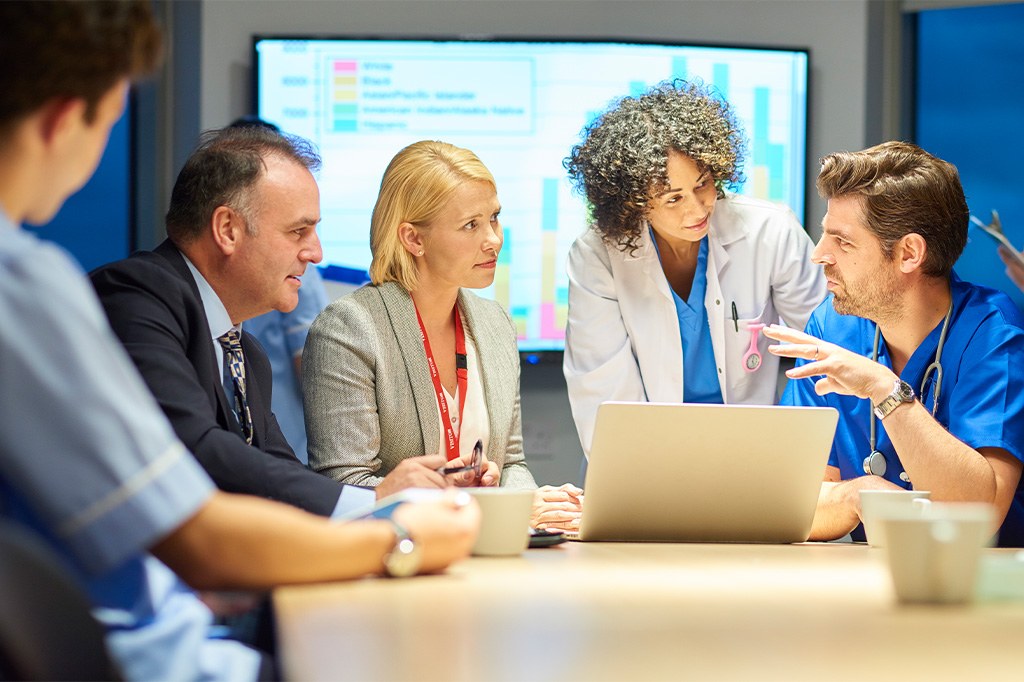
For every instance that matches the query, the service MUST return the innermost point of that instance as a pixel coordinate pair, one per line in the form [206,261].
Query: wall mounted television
[520,104]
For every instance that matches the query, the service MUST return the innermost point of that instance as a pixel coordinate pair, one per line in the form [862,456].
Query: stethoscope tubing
[935,366]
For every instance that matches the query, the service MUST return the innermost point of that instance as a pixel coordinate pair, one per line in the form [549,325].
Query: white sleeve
[798,284]
[599,363]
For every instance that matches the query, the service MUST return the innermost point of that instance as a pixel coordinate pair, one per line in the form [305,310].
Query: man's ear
[411,238]
[226,226]
[58,117]
[911,251]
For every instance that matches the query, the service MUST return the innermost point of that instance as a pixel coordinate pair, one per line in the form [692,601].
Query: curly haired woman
[675,275]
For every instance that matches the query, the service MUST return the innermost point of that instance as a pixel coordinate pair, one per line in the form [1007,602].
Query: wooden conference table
[615,611]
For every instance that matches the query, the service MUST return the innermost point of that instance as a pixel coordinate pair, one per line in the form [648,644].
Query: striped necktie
[234,363]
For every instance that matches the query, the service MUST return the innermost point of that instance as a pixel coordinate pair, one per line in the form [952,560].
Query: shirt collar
[216,314]
[724,224]
[5,220]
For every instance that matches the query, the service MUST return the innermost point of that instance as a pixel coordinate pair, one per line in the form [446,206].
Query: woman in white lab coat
[668,286]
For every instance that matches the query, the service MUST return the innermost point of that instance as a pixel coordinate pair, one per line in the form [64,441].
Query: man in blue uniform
[923,367]
[88,463]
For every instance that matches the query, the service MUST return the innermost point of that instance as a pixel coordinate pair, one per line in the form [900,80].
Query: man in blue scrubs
[924,368]
[88,462]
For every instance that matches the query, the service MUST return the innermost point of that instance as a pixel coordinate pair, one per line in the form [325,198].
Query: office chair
[46,629]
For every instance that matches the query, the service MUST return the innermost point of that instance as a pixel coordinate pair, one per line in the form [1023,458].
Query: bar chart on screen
[520,106]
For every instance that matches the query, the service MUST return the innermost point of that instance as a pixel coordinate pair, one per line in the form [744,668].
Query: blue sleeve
[81,438]
[312,299]
[352,499]
[989,392]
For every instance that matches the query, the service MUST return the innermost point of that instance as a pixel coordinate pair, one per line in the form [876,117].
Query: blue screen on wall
[969,112]
[520,105]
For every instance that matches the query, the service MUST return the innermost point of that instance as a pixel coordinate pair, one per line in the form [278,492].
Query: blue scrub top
[982,394]
[89,463]
[700,377]
[283,336]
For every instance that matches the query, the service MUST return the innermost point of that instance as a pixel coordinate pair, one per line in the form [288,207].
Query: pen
[474,462]
[735,317]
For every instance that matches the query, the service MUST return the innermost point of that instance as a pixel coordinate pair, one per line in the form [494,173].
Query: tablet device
[995,231]
[385,507]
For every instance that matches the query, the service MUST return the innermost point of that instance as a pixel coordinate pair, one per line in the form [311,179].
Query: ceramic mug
[933,555]
[504,520]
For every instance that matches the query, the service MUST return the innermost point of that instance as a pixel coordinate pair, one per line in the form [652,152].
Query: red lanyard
[450,437]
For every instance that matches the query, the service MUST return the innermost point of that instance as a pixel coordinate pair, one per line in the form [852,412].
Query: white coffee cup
[876,504]
[933,555]
[504,520]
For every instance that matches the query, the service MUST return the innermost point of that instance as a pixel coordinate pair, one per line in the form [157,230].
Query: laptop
[679,472]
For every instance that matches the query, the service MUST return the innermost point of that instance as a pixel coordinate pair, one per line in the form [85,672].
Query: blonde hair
[417,184]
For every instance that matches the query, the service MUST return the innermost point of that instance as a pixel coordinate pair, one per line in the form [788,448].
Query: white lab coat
[622,337]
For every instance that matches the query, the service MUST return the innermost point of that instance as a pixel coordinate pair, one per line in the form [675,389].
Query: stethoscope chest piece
[874,464]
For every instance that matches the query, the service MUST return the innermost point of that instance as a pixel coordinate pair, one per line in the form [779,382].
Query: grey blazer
[369,400]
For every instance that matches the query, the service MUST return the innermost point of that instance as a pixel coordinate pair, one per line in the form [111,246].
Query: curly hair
[622,161]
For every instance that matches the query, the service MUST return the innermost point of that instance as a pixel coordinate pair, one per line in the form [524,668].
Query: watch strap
[403,560]
[902,392]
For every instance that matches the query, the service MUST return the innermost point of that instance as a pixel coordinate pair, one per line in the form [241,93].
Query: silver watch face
[905,392]
[902,393]
[404,559]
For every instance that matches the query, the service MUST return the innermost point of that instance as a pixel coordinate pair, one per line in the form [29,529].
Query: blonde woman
[415,363]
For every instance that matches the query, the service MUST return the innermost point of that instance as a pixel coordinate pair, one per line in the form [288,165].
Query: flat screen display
[520,105]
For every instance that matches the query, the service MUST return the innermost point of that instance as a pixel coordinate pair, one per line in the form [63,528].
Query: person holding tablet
[414,363]
[672,283]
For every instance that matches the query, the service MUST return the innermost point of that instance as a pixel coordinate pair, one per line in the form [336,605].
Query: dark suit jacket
[153,305]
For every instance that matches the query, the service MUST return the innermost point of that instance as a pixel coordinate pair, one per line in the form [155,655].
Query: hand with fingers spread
[843,371]
[557,508]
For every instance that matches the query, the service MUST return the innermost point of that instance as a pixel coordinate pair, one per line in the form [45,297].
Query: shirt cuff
[353,498]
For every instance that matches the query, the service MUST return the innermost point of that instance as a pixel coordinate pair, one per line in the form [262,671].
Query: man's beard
[878,297]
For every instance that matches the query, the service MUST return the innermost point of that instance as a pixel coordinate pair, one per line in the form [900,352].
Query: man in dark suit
[241,231]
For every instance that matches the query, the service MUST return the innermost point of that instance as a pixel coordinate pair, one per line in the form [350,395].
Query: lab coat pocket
[747,349]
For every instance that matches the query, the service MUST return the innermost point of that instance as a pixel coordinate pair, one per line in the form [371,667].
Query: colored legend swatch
[344,95]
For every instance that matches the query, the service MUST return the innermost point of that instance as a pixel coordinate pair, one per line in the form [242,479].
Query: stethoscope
[875,463]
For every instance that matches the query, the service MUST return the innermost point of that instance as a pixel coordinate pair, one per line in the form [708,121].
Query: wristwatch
[902,392]
[405,556]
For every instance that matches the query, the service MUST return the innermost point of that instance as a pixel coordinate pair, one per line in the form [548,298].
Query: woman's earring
[420,253]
